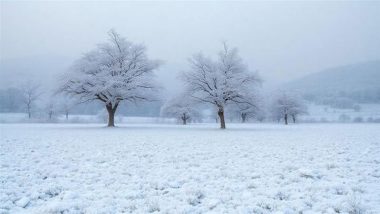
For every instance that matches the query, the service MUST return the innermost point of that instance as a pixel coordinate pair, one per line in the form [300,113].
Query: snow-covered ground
[253,168]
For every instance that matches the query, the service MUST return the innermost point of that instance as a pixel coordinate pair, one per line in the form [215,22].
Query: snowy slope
[254,168]
[357,81]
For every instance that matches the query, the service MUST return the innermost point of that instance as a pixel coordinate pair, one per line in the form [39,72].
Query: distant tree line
[120,71]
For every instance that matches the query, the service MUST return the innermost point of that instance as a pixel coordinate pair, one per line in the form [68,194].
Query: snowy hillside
[263,168]
[359,82]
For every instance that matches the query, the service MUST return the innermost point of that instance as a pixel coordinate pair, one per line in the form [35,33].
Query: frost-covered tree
[220,82]
[247,112]
[241,112]
[182,108]
[65,105]
[252,110]
[50,109]
[299,109]
[287,105]
[116,71]
[31,93]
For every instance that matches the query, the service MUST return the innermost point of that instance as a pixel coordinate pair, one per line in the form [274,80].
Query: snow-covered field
[253,168]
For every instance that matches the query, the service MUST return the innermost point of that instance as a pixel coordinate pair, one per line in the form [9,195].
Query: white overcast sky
[283,40]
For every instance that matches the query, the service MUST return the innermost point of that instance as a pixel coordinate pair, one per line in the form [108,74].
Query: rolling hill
[358,82]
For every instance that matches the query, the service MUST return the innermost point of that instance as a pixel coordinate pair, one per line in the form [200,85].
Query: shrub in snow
[51,192]
[195,197]
[354,206]
[267,205]
[340,190]
[281,196]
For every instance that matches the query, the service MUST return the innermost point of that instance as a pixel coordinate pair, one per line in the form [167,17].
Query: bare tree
[31,93]
[66,104]
[246,112]
[299,108]
[240,112]
[253,109]
[66,107]
[50,108]
[220,82]
[287,105]
[115,71]
[181,108]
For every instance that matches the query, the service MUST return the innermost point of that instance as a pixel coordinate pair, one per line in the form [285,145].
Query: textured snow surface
[253,168]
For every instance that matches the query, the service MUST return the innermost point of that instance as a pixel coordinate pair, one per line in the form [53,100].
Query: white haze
[283,40]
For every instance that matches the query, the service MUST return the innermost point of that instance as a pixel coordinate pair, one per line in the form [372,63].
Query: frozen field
[255,168]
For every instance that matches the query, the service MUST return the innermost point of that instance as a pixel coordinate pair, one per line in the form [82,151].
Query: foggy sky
[283,40]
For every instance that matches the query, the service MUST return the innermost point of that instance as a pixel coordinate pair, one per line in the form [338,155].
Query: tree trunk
[67,115]
[294,118]
[221,117]
[243,117]
[286,119]
[111,117]
[29,111]
[111,114]
[184,119]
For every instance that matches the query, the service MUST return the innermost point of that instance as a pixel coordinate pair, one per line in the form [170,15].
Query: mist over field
[190,107]
[282,41]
